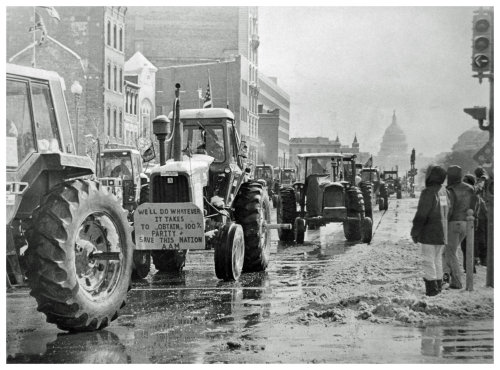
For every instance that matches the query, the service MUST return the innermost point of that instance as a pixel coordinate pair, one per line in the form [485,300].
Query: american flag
[369,163]
[207,103]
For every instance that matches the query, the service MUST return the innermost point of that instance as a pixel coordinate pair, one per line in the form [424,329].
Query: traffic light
[482,41]
[479,114]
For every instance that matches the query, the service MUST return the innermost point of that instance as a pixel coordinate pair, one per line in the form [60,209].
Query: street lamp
[76,90]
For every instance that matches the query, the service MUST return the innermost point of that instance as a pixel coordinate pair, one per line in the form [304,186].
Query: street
[326,300]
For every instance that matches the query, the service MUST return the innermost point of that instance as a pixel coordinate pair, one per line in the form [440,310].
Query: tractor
[393,183]
[202,197]
[371,177]
[327,193]
[67,236]
[121,171]
[266,174]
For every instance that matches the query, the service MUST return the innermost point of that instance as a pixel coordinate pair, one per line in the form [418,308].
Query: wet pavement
[195,318]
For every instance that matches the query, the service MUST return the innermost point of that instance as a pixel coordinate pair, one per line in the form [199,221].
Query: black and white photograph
[249,182]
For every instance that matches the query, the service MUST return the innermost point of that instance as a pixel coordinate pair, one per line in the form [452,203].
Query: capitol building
[393,149]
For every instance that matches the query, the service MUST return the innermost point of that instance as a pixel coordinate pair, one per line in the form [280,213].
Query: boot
[431,288]
[439,285]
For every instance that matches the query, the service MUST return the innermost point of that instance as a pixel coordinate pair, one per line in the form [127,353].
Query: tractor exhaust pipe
[178,129]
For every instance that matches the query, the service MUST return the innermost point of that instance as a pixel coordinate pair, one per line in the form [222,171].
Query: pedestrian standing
[471,180]
[462,199]
[430,227]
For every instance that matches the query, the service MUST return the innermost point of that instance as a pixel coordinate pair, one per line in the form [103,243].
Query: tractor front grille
[170,189]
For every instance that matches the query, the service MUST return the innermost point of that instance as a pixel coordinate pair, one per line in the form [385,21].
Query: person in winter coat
[471,180]
[463,198]
[430,227]
[481,232]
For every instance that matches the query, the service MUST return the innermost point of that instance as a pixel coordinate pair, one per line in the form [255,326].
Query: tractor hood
[195,167]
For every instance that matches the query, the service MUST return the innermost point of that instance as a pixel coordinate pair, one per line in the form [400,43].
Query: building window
[121,39]
[115,87]
[114,37]
[114,122]
[109,33]
[109,76]
[120,128]
[108,121]
[121,80]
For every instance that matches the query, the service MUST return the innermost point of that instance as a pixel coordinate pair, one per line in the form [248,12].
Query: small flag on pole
[52,12]
[207,103]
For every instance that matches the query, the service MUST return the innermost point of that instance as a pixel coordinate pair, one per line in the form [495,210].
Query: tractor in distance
[287,176]
[66,233]
[266,174]
[202,197]
[393,183]
[371,176]
[327,193]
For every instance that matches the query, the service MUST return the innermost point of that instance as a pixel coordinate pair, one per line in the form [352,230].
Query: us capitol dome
[393,149]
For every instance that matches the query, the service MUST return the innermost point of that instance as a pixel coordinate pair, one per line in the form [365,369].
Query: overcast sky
[347,68]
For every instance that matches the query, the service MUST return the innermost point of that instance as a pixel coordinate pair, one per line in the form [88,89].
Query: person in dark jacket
[481,231]
[430,227]
[462,198]
[471,180]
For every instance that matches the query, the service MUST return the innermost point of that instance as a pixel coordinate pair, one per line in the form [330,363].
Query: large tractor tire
[299,229]
[74,288]
[384,194]
[381,204]
[367,189]
[366,230]
[286,213]
[252,212]
[399,194]
[171,261]
[352,230]
[229,252]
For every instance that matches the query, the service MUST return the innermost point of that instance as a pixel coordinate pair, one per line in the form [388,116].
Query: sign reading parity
[169,226]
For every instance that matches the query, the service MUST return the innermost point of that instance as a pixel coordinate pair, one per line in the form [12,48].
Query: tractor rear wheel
[399,194]
[252,212]
[286,213]
[366,229]
[229,252]
[169,260]
[352,230]
[381,204]
[299,229]
[74,288]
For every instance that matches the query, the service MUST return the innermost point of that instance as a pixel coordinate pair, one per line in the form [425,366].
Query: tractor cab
[267,175]
[212,132]
[393,182]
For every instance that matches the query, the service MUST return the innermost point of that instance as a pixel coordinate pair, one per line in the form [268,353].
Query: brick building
[183,36]
[86,45]
[274,123]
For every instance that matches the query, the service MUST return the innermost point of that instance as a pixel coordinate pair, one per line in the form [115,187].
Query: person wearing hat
[430,227]
[462,198]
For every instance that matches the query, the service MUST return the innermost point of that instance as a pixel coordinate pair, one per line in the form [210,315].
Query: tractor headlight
[227,170]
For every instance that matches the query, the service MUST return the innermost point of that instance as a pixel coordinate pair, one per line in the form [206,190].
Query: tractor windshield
[369,176]
[204,139]
[287,177]
[263,173]
[116,164]
[318,166]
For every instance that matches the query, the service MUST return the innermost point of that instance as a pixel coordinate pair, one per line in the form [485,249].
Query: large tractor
[202,198]
[265,173]
[327,193]
[67,236]
[370,176]
[121,171]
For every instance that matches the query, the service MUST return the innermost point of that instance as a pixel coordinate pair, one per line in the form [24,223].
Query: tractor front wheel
[299,229]
[229,252]
[286,212]
[366,229]
[79,256]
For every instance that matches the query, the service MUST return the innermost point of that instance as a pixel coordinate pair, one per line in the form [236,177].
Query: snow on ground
[383,282]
